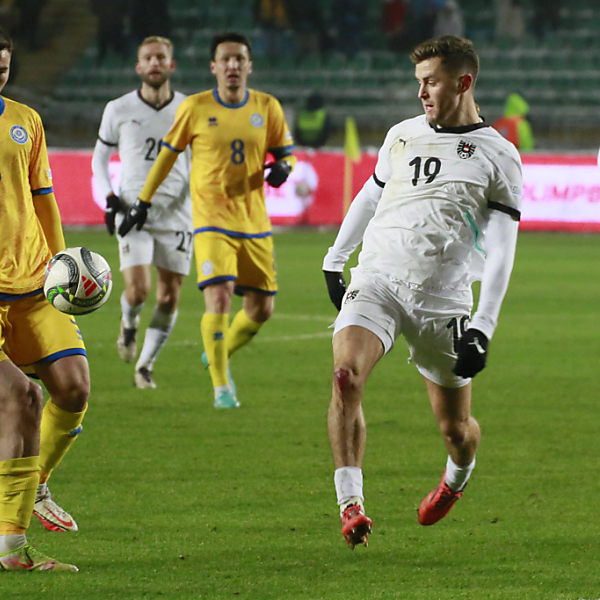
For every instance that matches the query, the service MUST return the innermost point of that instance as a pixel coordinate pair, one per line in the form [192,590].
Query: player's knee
[167,304]
[347,382]
[454,432]
[262,313]
[73,394]
[23,401]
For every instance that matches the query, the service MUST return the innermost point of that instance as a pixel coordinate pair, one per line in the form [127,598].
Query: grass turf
[177,500]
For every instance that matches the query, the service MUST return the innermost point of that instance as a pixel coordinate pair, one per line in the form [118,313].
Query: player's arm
[280,144]
[355,222]
[48,215]
[282,167]
[138,213]
[100,160]
[350,235]
[176,141]
[501,245]
[40,182]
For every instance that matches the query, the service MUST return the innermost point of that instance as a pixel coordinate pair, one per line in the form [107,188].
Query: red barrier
[560,192]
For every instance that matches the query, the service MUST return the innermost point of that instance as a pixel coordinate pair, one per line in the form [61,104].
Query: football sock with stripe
[156,337]
[214,330]
[241,331]
[457,477]
[59,430]
[19,479]
[130,315]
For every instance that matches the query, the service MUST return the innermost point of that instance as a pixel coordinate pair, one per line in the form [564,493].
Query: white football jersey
[439,188]
[135,128]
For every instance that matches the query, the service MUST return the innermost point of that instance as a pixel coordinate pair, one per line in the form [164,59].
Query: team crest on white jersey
[19,134]
[465,149]
[351,295]
[257,120]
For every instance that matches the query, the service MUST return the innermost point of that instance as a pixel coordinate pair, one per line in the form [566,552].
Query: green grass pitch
[176,500]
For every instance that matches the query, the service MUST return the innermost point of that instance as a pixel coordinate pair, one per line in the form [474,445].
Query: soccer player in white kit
[441,211]
[135,125]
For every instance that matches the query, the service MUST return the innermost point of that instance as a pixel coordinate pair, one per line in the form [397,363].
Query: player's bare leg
[138,281]
[68,382]
[20,414]
[257,309]
[168,290]
[355,352]
[461,434]
[214,326]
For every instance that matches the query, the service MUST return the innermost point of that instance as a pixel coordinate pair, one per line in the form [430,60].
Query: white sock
[156,337]
[457,477]
[8,543]
[41,491]
[130,315]
[348,485]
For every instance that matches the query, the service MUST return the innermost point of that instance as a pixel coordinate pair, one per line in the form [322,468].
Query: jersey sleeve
[383,168]
[180,135]
[40,175]
[109,130]
[278,135]
[507,183]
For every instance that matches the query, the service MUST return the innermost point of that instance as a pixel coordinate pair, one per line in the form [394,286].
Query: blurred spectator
[149,17]
[271,17]
[423,15]
[8,16]
[306,19]
[28,24]
[111,27]
[513,125]
[312,124]
[546,15]
[449,19]
[393,25]
[348,19]
[510,19]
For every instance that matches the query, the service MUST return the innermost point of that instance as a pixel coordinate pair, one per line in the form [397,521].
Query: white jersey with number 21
[136,129]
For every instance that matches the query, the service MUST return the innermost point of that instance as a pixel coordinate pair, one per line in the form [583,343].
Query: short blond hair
[157,39]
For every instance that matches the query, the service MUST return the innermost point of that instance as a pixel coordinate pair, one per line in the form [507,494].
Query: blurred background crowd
[341,57]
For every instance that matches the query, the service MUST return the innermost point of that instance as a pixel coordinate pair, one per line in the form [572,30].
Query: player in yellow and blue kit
[231,130]
[34,337]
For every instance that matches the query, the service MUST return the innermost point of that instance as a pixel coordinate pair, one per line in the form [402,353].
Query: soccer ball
[77,281]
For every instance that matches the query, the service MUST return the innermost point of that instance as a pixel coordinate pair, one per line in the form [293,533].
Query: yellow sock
[19,478]
[59,430]
[241,331]
[214,331]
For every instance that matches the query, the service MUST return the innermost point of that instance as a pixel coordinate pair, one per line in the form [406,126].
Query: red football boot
[437,504]
[356,526]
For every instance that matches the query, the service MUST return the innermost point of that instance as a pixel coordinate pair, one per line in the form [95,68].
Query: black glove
[113,206]
[472,353]
[279,172]
[136,215]
[336,286]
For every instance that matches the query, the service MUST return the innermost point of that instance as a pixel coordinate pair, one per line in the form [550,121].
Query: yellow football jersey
[24,173]
[229,145]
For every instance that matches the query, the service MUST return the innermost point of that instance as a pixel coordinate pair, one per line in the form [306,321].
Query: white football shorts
[171,250]
[430,324]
